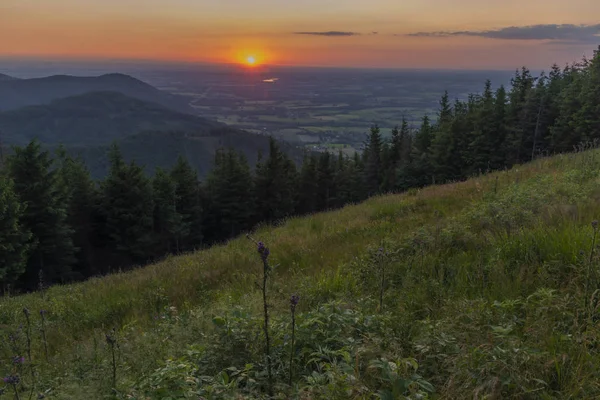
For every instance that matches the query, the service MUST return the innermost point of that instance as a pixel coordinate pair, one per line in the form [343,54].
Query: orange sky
[227,30]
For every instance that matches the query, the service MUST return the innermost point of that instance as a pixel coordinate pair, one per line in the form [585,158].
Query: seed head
[294,302]
[26,312]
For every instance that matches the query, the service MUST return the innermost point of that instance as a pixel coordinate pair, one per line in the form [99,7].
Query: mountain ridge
[17,93]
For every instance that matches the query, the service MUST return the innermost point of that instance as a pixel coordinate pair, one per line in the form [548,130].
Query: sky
[455,34]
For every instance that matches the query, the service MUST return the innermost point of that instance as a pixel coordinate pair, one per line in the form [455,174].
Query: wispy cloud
[553,32]
[328,33]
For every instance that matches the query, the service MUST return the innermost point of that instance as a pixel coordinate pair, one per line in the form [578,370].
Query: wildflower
[12,380]
[26,312]
[263,251]
[18,360]
[595,224]
[43,312]
[294,302]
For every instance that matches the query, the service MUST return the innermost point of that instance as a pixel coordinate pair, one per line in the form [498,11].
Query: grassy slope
[487,287]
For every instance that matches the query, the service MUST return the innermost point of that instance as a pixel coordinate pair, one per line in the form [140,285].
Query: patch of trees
[58,225]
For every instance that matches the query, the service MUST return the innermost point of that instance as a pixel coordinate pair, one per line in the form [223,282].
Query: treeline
[57,225]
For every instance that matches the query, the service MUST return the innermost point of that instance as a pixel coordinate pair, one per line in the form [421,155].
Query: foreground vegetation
[481,289]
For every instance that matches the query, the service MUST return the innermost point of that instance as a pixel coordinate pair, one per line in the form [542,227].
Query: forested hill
[5,78]
[25,92]
[148,133]
[95,118]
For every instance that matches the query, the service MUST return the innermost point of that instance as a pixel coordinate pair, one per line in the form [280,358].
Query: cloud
[328,33]
[564,33]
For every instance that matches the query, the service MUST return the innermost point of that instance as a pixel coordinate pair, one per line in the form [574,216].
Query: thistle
[293,303]
[264,253]
[13,380]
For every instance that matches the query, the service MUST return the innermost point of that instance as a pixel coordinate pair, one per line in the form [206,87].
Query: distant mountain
[6,78]
[16,93]
[146,132]
[95,118]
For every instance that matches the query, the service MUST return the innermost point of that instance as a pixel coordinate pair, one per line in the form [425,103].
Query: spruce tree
[81,198]
[326,188]
[45,216]
[188,205]
[14,238]
[168,226]
[307,186]
[588,117]
[229,192]
[420,172]
[484,133]
[373,162]
[443,144]
[127,201]
[275,185]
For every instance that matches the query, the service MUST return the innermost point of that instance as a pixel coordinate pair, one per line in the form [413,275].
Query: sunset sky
[371,33]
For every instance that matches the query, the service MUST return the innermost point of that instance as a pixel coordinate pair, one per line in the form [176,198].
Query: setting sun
[251,60]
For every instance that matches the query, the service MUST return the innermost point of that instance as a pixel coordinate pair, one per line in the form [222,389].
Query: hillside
[6,78]
[95,118]
[146,132]
[488,292]
[26,92]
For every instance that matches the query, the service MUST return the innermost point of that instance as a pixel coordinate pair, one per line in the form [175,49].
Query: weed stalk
[43,330]
[264,256]
[111,340]
[28,337]
[293,303]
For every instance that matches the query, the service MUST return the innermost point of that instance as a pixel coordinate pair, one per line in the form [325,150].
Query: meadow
[482,289]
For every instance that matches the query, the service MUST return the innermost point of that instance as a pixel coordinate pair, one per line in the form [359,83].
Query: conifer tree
[373,162]
[517,118]
[358,185]
[188,206]
[44,215]
[168,225]
[326,185]
[127,201]
[229,192]
[443,144]
[307,186]
[484,133]
[14,239]
[588,117]
[420,171]
[275,185]
[566,131]
[81,198]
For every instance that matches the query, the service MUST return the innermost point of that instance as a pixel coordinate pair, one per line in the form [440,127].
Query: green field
[484,289]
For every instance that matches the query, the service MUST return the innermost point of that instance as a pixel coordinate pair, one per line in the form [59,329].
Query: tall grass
[491,291]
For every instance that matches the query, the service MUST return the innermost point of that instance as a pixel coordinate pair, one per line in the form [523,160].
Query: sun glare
[251,61]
